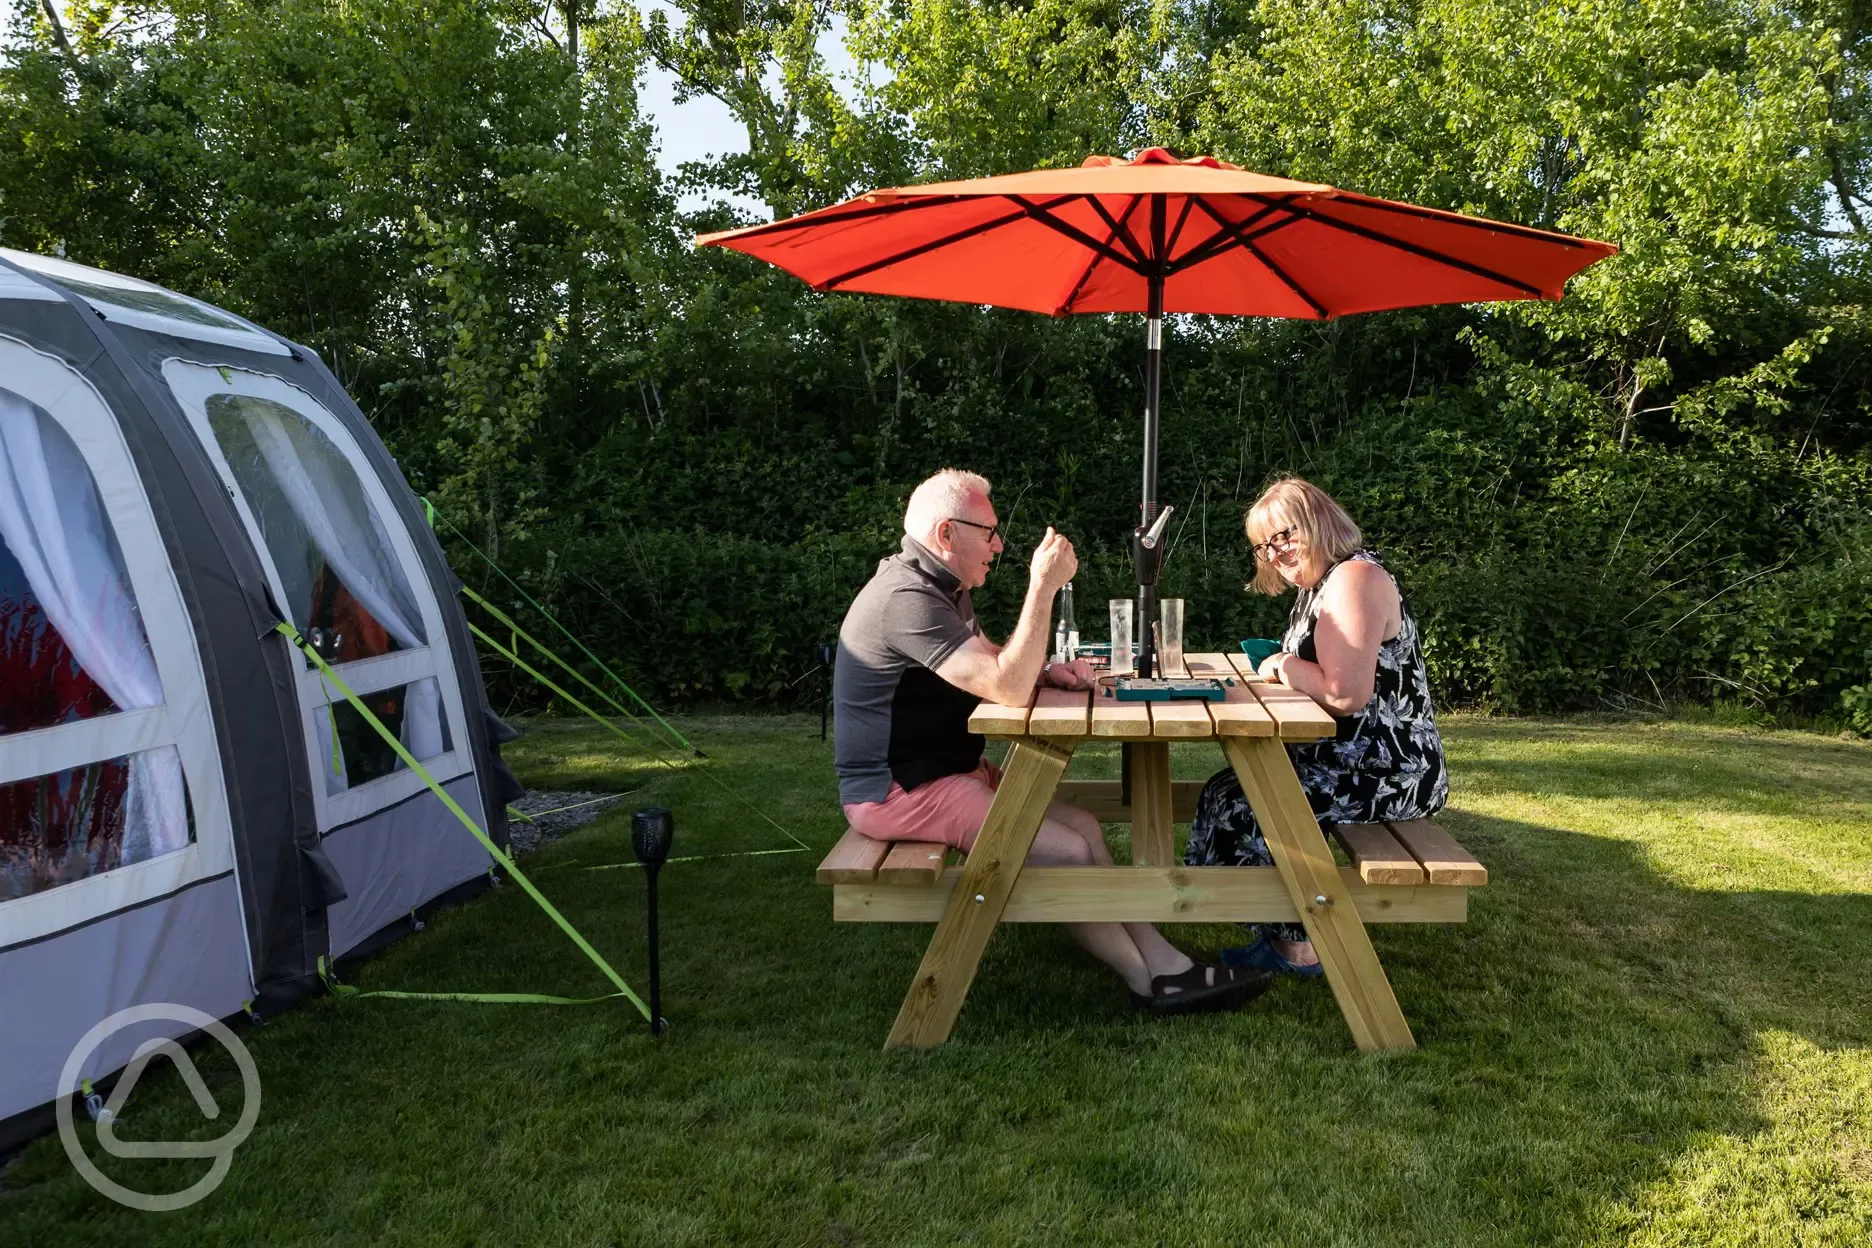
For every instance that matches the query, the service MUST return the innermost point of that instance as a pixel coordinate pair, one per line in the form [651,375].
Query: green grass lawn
[1653,1030]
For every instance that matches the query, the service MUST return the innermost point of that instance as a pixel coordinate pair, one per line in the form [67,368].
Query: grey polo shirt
[895,718]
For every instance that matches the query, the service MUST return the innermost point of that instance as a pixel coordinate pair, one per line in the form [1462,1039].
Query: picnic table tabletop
[1253,708]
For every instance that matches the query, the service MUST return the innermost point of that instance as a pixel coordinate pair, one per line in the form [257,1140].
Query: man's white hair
[943,497]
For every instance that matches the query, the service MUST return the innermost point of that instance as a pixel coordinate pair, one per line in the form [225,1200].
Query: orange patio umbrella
[1155,234]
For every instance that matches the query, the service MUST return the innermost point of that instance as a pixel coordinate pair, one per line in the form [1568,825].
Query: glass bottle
[1066,631]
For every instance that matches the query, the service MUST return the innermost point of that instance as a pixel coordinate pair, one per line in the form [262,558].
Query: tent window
[412,713]
[345,589]
[74,824]
[42,684]
[152,299]
[72,649]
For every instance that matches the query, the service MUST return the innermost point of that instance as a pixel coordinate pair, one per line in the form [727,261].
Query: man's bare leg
[1059,845]
[1160,956]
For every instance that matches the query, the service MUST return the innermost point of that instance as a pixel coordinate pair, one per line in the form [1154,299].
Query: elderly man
[913,663]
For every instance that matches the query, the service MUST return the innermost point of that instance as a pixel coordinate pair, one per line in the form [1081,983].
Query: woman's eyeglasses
[1265,550]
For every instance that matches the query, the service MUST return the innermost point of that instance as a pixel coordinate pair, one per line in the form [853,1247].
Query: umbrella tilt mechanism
[1147,554]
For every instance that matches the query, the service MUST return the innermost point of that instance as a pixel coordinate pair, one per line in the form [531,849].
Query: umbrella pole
[1146,559]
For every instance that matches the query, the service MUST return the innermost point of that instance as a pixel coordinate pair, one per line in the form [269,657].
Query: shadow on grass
[1600,1044]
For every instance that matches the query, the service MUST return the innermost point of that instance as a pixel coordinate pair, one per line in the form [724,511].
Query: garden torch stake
[827,652]
[651,831]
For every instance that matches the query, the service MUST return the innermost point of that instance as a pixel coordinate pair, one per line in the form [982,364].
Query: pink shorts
[949,810]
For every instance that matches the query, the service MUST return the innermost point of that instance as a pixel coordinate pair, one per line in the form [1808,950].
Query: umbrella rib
[810,221]
[1176,232]
[1079,285]
[1269,264]
[1292,285]
[1043,214]
[1458,218]
[1219,242]
[921,249]
[1117,227]
[1414,249]
[1086,274]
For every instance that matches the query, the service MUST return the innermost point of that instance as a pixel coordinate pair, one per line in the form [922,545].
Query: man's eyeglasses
[994,530]
[1265,550]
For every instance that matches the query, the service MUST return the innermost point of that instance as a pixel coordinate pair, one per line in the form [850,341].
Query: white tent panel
[19,286]
[145,305]
[369,547]
[180,721]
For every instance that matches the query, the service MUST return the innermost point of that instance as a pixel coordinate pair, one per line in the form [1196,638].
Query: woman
[1351,646]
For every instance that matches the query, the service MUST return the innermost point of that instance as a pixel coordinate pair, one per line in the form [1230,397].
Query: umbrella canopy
[1155,234]
[1219,238]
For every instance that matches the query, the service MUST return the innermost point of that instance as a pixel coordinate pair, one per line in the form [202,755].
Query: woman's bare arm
[1359,612]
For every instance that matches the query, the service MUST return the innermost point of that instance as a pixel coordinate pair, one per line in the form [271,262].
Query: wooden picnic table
[1253,726]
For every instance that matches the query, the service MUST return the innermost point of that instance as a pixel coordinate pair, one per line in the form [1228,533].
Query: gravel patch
[547,828]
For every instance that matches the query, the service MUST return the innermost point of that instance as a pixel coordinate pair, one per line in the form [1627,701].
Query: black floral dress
[1386,761]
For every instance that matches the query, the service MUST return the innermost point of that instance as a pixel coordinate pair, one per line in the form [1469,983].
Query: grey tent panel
[399,858]
[183,950]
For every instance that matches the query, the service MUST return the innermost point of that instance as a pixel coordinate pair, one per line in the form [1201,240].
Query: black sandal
[1205,987]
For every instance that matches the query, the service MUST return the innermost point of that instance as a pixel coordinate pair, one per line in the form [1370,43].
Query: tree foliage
[1659,487]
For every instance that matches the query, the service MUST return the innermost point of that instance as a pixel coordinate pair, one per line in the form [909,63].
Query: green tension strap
[331,717]
[337,988]
[583,649]
[409,760]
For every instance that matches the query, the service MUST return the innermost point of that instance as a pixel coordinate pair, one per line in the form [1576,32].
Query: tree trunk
[1631,413]
[58,30]
[575,278]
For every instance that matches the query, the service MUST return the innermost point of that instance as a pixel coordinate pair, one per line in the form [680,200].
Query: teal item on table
[1260,649]
[1159,689]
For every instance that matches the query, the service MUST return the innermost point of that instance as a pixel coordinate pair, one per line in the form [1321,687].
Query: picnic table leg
[1028,783]
[1307,869]
[1153,827]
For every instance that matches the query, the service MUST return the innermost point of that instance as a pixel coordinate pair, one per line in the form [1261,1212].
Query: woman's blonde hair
[1326,532]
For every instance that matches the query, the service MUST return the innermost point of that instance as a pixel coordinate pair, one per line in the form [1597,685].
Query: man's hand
[1074,675]
[1054,562]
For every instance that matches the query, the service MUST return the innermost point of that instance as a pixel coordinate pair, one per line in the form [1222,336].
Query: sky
[701,127]
[704,127]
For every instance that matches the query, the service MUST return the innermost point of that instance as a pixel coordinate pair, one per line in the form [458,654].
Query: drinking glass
[1121,615]
[1170,640]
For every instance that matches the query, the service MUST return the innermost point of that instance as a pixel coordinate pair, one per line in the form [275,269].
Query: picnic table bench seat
[1414,853]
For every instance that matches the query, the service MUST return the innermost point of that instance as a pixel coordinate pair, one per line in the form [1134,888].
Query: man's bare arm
[1007,673]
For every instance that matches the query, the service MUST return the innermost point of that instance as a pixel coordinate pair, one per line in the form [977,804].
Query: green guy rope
[536,674]
[512,653]
[487,843]
[583,649]
[513,657]
[514,642]
[514,812]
